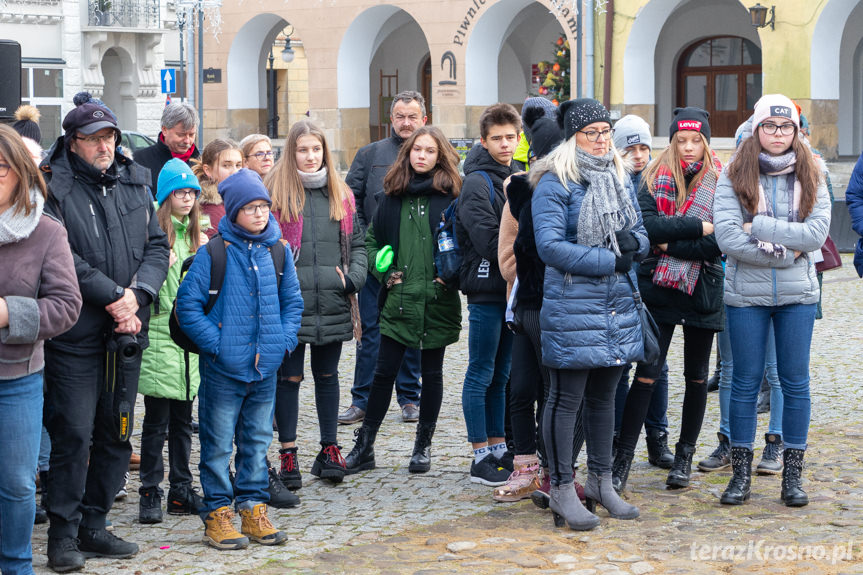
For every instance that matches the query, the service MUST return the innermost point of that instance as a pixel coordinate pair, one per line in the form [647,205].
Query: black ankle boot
[63,554]
[329,464]
[620,469]
[421,458]
[658,453]
[792,480]
[681,469]
[362,456]
[739,488]
[149,505]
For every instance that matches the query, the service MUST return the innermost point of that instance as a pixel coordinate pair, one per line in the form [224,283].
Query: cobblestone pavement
[389,521]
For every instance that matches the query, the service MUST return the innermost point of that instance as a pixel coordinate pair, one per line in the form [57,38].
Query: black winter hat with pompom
[27,122]
[546,134]
[574,115]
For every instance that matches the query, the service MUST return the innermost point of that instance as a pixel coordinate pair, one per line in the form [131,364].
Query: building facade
[114,49]
[640,56]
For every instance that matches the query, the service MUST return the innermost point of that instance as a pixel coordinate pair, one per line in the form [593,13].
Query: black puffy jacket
[115,239]
[366,176]
[529,268]
[478,228]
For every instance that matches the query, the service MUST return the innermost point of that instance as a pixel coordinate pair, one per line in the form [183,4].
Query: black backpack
[217,248]
[447,252]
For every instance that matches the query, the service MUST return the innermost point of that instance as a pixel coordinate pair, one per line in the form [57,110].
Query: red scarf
[185,156]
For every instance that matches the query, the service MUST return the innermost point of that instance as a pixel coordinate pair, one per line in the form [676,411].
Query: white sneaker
[122,493]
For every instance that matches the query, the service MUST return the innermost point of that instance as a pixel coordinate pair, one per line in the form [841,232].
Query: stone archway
[380,54]
[836,79]
[660,33]
[247,76]
[529,31]
[121,86]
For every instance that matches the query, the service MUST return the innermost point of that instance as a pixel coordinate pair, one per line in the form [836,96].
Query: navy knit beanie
[241,188]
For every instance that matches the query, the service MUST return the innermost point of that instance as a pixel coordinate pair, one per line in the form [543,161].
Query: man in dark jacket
[91,371]
[489,340]
[176,140]
[366,179]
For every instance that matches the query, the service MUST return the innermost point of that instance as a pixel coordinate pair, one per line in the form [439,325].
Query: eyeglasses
[252,210]
[593,135]
[186,193]
[770,128]
[262,155]
[108,139]
[4,170]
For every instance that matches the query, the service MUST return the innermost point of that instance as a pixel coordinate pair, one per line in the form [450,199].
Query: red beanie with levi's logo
[691,118]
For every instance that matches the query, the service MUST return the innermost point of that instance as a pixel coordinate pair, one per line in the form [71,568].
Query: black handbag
[649,329]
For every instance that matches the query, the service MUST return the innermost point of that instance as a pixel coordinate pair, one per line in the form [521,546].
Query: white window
[42,86]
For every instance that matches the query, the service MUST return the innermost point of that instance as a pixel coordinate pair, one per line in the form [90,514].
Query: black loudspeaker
[10,72]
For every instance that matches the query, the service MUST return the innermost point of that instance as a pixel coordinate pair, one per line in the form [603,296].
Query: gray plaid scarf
[606,207]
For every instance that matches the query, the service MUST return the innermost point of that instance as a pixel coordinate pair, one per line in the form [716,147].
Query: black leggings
[697,344]
[389,360]
[568,387]
[325,371]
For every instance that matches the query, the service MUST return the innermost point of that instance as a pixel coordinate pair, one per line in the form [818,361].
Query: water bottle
[444,242]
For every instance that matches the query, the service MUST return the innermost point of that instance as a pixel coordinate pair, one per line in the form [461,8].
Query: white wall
[688,23]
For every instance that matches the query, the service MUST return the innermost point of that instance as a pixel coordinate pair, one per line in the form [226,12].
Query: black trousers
[596,388]
[697,344]
[389,360]
[169,419]
[81,418]
[529,381]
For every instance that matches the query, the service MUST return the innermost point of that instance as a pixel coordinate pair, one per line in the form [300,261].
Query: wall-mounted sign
[213,76]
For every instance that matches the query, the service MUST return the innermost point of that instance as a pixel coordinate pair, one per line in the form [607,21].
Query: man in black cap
[91,371]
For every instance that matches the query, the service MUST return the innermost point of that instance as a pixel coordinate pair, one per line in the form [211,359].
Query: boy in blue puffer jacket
[242,342]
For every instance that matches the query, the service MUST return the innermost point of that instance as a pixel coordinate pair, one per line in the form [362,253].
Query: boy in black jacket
[489,341]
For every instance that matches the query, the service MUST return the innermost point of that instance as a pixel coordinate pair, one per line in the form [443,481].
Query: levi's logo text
[633,139]
[780,111]
[689,125]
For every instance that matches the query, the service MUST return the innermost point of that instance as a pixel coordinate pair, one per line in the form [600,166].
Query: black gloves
[628,246]
[626,241]
[623,262]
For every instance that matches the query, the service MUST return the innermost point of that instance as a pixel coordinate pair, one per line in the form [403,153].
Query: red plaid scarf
[672,272]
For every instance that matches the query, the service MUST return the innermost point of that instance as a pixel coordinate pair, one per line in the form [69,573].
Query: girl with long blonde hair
[315,211]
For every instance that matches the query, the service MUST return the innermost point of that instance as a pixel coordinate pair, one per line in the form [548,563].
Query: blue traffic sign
[168,80]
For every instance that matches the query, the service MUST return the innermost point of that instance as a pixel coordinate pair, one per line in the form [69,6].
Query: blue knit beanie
[175,175]
[241,188]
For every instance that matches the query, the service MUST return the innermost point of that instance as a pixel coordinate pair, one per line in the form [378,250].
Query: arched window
[723,76]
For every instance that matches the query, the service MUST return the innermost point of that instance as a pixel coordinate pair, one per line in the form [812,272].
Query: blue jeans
[20,432]
[408,378]
[657,412]
[726,366]
[748,327]
[483,397]
[227,405]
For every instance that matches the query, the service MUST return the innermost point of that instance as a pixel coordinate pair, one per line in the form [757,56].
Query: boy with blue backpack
[242,341]
[479,212]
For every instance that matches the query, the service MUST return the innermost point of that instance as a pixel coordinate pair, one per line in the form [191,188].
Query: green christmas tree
[554,75]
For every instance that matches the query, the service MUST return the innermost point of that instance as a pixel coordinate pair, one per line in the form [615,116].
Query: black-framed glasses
[4,170]
[262,155]
[252,210]
[593,135]
[770,128]
[184,193]
[96,140]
